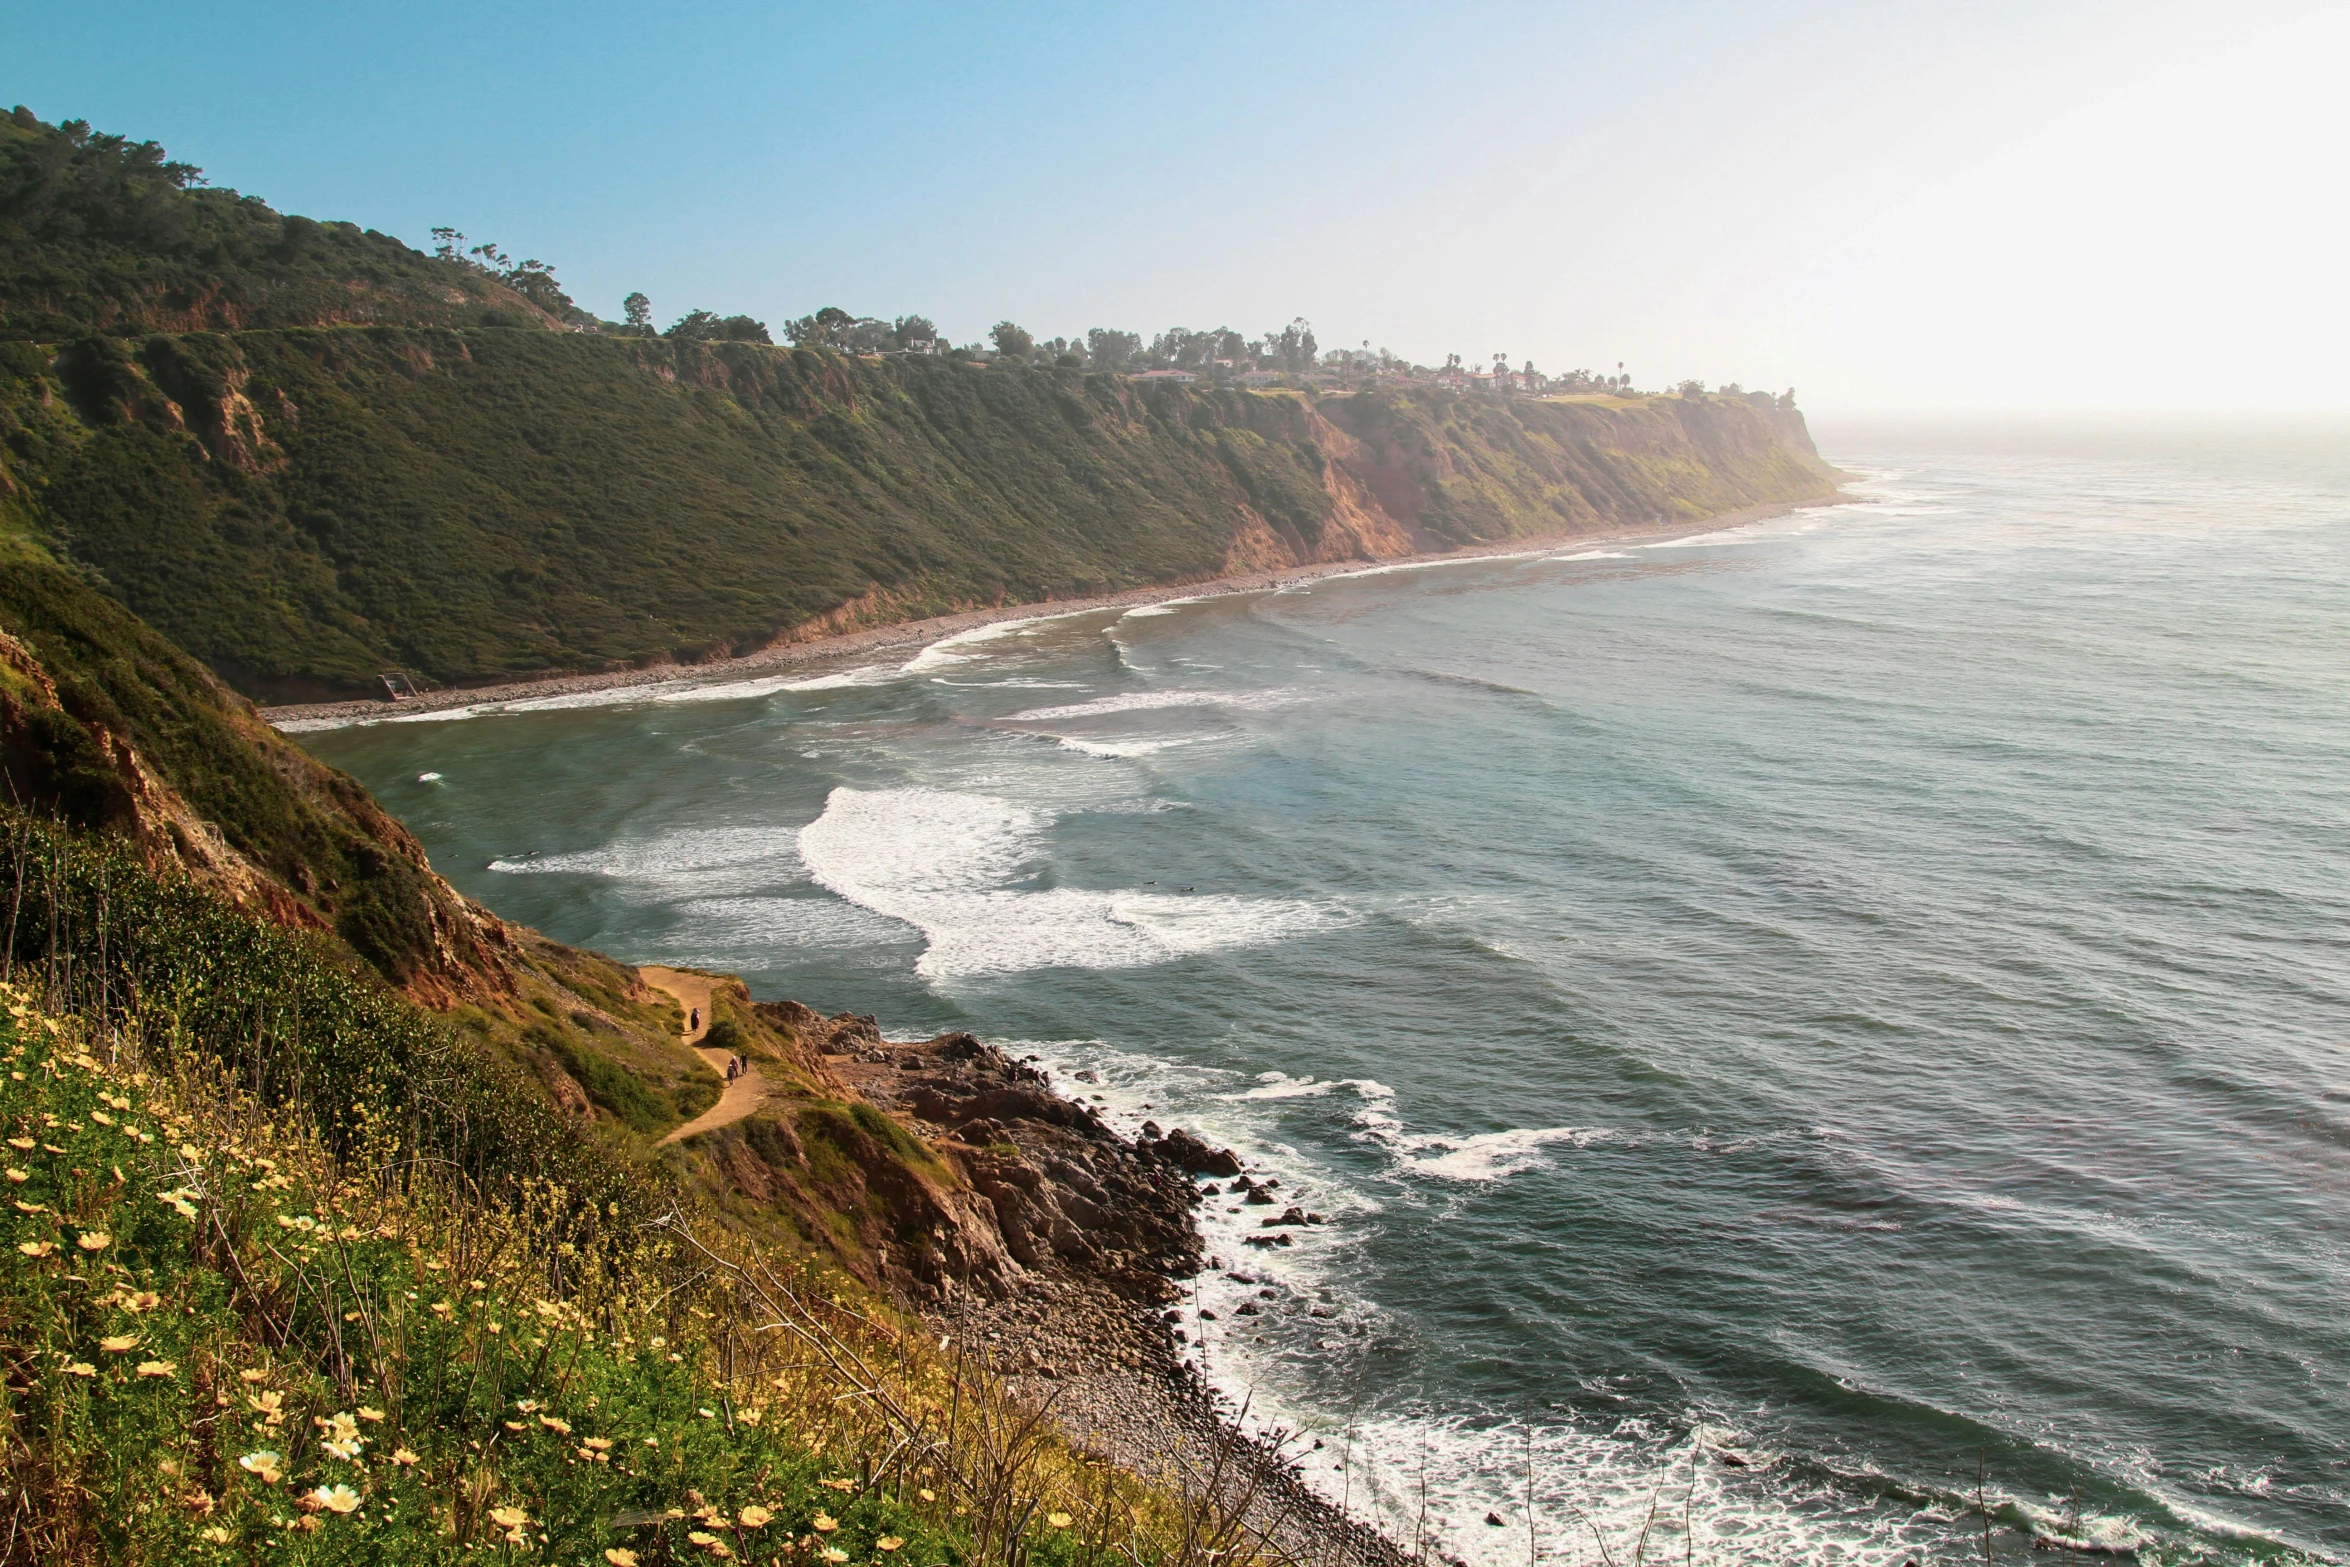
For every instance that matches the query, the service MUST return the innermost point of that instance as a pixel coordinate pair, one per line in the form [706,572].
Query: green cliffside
[304,509]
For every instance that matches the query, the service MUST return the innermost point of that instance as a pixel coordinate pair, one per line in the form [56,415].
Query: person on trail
[693,1020]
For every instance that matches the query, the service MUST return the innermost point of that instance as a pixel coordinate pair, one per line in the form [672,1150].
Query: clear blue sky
[2072,203]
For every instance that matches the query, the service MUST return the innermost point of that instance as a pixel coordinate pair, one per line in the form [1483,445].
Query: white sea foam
[1163,607]
[1120,749]
[1149,701]
[428,777]
[1431,565]
[683,690]
[1595,555]
[700,862]
[944,863]
[1489,1156]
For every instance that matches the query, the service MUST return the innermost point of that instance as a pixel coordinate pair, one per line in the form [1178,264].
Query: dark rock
[1261,1197]
[1186,1152]
[1493,1519]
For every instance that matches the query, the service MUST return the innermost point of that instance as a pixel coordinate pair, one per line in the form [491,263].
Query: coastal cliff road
[746,1093]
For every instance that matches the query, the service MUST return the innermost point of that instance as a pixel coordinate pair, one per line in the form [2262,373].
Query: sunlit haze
[2067,207]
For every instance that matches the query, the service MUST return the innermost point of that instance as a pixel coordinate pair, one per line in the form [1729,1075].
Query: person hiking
[693,1020]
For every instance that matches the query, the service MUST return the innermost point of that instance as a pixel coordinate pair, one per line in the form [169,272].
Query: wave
[944,863]
[1121,749]
[610,696]
[965,647]
[1490,1156]
[1150,701]
[704,861]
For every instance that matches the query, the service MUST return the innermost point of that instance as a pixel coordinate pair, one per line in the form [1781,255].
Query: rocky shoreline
[1068,1299]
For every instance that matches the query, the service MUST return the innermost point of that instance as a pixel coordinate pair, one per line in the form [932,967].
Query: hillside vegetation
[101,234]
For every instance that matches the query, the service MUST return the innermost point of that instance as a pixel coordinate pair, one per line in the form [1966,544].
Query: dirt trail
[746,1093]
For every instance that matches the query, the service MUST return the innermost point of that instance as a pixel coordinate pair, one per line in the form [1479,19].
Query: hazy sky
[1890,207]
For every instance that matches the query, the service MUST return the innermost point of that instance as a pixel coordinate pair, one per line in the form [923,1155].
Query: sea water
[1806,1037]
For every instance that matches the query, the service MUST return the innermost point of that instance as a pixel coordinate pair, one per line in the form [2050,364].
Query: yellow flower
[347,1450]
[37,1248]
[833,1553]
[888,1542]
[94,1240]
[403,1457]
[441,1308]
[561,1427]
[371,1416]
[19,1176]
[81,1368]
[927,1494]
[599,1443]
[620,1558]
[142,1301]
[265,1464]
[255,1375]
[339,1427]
[269,1402]
[826,1523]
[120,1344]
[336,1498]
[20,1142]
[750,1417]
[509,1517]
[1059,1520]
[755,1516]
[158,1368]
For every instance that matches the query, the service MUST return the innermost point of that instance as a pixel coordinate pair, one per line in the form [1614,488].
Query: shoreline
[911,636]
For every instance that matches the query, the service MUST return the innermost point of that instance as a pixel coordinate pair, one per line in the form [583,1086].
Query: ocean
[1805,1036]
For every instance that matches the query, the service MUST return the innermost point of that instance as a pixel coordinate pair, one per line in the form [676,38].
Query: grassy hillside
[100,234]
[305,509]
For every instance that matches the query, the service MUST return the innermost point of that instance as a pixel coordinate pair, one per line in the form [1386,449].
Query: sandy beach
[911,636]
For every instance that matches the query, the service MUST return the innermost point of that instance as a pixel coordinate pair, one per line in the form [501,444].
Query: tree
[1112,350]
[1293,345]
[1010,341]
[742,329]
[918,334]
[825,329]
[637,310]
[1691,388]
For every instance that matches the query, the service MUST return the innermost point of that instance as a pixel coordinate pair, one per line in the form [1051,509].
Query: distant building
[1163,375]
